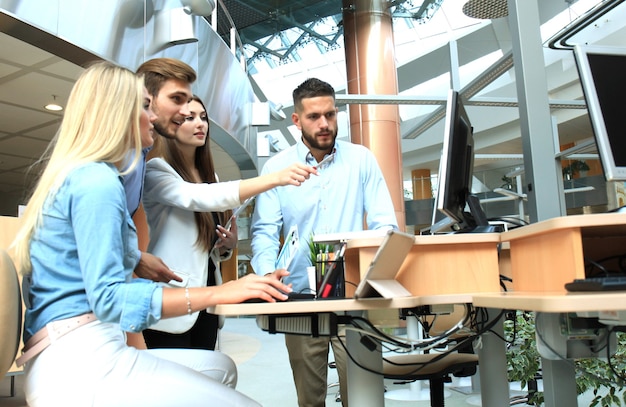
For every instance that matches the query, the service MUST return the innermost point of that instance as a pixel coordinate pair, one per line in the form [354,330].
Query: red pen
[331,275]
[326,291]
[325,160]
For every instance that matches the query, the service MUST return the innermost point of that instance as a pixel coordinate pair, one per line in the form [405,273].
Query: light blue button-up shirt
[83,256]
[348,188]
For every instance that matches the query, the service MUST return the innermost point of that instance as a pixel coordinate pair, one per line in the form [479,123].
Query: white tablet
[289,249]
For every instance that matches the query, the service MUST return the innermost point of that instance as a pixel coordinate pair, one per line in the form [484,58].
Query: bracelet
[188,298]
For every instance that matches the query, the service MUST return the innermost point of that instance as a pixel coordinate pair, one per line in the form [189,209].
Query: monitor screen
[602,73]
[456,170]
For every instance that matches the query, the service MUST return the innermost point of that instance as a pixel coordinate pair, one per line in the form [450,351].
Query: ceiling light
[53,106]
[199,7]
[486,9]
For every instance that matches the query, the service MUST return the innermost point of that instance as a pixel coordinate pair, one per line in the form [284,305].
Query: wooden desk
[337,305]
[9,227]
[553,301]
[548,254]
[558,375]
[437,264]
[439,269]
[365,388]
[312,306]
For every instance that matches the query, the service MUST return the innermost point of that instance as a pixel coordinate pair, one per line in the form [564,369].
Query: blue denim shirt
[133,182]
[348,188]
[133,185]
[83,255]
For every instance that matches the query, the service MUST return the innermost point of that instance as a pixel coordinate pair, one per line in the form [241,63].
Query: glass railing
[501,194]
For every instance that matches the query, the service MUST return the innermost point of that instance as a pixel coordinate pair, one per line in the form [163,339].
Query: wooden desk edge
[527,301]
[563,222]
[338,305]
[553,301]
[454,238]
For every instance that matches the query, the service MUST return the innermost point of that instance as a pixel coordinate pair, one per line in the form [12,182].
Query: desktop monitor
[602,73]
[456,170]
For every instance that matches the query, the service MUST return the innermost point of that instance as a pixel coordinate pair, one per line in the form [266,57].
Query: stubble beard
[162,131]
[316,145]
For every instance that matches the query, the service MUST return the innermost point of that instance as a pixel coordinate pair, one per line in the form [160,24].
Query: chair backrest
[10,313]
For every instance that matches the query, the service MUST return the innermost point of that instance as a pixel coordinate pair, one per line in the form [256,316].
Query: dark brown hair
[311,88]
[203,162]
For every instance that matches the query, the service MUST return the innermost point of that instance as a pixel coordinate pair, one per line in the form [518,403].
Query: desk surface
[595,225]
[443,239]
[528,301]
[338,305]
[553,301]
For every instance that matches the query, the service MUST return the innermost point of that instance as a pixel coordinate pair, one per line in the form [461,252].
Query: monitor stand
[476,221]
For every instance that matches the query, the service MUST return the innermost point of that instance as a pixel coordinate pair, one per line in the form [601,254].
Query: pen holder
[330,285]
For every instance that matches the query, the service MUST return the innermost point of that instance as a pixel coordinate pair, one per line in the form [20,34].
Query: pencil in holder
[330,279]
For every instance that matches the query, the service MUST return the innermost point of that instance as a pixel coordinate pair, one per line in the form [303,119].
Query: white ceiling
[29,77]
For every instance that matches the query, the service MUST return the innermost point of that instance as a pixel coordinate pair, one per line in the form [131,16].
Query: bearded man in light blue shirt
[349,191]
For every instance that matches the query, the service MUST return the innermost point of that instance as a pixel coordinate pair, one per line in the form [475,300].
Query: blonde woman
[78,249]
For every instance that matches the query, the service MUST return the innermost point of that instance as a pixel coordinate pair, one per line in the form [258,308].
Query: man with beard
[168,81]
[349,190]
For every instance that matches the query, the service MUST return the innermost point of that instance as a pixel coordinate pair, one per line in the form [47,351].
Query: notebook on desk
[380,278]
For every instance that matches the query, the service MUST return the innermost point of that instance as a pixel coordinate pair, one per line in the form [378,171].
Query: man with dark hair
[349,190]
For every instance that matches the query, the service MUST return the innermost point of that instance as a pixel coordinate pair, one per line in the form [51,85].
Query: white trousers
[93,366]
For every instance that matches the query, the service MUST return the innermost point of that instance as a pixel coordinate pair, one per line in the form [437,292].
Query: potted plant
[574,167]
[316,254]
[594,374]
[317,248]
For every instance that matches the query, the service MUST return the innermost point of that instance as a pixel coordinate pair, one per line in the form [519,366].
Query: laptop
[380,278]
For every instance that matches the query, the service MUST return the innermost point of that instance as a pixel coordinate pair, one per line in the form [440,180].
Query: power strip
[317,324]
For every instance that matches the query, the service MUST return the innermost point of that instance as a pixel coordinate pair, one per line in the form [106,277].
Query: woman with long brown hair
[185,205]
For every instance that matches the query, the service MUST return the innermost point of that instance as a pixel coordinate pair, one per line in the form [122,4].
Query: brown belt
[50,333]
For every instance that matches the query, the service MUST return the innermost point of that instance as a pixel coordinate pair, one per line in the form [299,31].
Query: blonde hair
[100,124]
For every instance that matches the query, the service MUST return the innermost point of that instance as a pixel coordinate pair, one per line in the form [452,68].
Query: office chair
[461,363]
[10,314]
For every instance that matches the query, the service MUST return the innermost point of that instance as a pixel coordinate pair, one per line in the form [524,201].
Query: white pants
[93,366]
